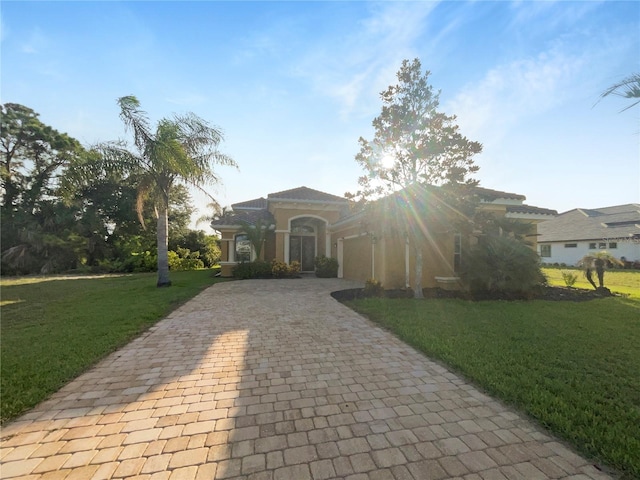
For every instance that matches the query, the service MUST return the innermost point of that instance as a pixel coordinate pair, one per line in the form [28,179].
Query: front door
[302,248]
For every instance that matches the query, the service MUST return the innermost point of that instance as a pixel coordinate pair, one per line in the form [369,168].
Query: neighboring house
[576,233]
[304,223]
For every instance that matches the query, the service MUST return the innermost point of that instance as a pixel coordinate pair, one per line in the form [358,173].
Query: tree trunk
[600,271]
[163,247]
[590,278]
[417,291]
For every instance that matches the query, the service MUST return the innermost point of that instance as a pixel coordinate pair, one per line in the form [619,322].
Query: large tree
[181,149]
[414,143]
[37,230]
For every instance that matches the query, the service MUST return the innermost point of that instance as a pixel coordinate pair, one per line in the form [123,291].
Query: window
[302,229]
[602,245]
[243,248]
[457,252]
[545,250]
[570,245]
[592,246]
[613,244]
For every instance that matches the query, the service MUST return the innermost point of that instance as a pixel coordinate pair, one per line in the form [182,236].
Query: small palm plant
[256,233]
[598,262]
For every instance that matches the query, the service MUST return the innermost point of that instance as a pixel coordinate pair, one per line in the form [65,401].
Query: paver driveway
[276,380]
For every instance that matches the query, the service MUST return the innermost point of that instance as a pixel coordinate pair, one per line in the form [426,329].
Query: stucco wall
[357,258]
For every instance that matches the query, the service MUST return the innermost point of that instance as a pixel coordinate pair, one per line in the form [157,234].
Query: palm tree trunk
[163,247]
[417,291]
[589,276]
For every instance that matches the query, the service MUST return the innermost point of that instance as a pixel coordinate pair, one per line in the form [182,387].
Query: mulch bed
[544,293]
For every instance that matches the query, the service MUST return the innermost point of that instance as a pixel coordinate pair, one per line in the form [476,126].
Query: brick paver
[276,380]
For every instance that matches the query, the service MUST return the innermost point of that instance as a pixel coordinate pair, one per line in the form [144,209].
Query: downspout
[407,277]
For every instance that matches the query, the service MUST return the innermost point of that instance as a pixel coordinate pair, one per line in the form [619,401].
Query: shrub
[242,271]
[184,259]
[502,265]
[294,268]
[569,278]
[255,269]
[282,270]
[373,288]
[326,267]
[261,269]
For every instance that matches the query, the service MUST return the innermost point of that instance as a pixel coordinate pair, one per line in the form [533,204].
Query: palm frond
[145,187]
[628,87]
[135,119]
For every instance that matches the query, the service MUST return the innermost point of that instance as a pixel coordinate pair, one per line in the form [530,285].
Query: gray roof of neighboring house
[617,222]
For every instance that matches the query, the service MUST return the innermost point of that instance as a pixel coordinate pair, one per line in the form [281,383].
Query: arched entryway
[307,240]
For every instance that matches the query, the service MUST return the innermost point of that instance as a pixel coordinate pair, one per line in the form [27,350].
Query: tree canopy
[413,141]
[66,208]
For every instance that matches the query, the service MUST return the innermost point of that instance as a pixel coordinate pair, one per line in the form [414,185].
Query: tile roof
[243,217]
[490,195]
[256,203]
[617,222]
[530,209]
[306,194]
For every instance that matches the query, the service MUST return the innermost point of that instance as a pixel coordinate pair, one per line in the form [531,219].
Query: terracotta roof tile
[243,217]
[489,194]
[306,194]
[260,203]
[531,210]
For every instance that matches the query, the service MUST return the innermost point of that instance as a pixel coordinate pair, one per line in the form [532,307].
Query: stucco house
[573,234]
[303,223]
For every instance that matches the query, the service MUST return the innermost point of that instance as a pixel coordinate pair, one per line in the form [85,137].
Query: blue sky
[293,85]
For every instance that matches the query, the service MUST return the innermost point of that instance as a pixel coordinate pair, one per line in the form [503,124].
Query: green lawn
[574,367]
[54,328]
[619,281]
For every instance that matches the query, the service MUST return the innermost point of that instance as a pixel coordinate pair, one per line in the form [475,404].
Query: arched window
[302,230]
[243,248]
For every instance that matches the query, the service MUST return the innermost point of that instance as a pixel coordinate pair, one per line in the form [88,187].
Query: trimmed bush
[326,267]
[255,269]
[282,270]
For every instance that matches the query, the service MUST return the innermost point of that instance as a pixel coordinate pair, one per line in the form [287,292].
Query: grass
[54,328]
[574,367]
[618,281]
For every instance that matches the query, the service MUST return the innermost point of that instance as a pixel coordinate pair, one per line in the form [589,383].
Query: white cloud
[513,91]
[360,65]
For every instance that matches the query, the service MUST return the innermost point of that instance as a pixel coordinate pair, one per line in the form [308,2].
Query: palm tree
[256,233]
[599,262]
[628,87]
[181,149]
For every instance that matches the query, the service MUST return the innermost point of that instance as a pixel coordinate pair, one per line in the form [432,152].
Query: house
[298,222]
[303,223]
[573,234]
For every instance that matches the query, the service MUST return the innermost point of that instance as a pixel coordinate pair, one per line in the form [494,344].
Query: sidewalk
[275,380]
